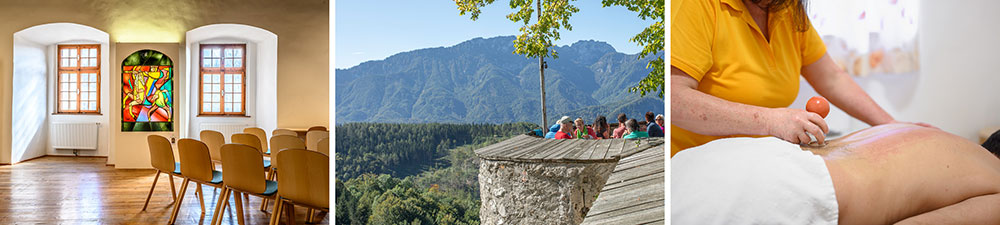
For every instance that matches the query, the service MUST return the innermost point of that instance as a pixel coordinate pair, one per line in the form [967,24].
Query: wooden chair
[244,176]
[214,140]
[277,132]
[279,143]
[324,146]
[261,137]
[304,181]
[312,138]
[161,156]
[250,140]
[198,168]
[320,128]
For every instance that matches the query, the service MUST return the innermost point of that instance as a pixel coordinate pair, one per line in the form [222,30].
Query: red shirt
[562,135]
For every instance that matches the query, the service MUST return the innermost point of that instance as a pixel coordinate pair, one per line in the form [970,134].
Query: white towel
[751,181]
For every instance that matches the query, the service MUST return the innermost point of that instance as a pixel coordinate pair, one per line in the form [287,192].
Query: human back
[891,172]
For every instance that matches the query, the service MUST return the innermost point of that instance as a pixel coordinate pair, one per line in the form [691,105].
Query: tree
[650,38]
[535,40]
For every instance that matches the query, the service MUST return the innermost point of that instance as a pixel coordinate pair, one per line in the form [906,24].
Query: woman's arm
[709,115]
[836,85]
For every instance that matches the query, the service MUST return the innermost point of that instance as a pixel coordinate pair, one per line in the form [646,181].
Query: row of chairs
[304,180]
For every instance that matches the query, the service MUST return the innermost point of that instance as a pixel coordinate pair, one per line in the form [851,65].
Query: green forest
[412,173]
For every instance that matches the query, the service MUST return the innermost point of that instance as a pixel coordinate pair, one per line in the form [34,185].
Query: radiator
[227,129]
[76,136]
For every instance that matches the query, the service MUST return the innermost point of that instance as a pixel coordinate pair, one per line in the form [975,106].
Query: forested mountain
[412,173]
[402,150]
[447,195]
[481,81]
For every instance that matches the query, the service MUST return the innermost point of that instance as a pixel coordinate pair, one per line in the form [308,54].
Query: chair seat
[177,168]
[268,152]
[272,187]
[216,177]
[267,163]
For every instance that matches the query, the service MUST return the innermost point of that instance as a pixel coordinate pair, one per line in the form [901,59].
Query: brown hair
[800,20]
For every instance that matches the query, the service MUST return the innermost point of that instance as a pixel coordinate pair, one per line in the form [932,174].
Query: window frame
[78,70]
[222,70]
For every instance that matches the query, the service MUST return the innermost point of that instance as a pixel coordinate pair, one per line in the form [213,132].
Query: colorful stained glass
[147,92]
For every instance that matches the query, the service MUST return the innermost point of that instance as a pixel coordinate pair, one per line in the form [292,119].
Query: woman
[735,67]
[603,129]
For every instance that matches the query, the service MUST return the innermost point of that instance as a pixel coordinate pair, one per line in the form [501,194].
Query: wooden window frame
[77,70]
[222,70]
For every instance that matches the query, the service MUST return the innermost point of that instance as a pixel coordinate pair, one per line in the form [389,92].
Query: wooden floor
[77,190]
[633,193]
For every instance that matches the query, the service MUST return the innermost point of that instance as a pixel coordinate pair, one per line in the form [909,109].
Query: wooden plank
[629,197]
[616,147]
[645,213]
[544,144]
[552,153]
[601,149]
[579,153]
[562,155]
[633,193]
[502,146]
[503,150]
[483,150]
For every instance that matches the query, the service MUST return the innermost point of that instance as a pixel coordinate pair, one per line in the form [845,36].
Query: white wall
[29,115]
[261,76]
[956,86]
[35,87]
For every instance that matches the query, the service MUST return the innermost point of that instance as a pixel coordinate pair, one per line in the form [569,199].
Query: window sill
[218,115]
[77,114]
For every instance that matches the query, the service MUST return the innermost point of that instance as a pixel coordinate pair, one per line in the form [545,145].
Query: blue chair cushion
[177,168]
[216,177]
[272,187]
[268,152]
[267,163]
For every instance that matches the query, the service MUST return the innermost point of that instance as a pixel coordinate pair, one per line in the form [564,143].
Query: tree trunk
[541,72]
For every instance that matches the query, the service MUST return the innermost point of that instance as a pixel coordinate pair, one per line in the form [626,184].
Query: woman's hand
[792,125]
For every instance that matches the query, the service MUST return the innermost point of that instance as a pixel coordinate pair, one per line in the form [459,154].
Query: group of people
[567,128]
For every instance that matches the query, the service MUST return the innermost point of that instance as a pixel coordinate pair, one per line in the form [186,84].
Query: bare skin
[910,174]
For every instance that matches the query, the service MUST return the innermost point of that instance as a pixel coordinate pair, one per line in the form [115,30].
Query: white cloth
[751,181]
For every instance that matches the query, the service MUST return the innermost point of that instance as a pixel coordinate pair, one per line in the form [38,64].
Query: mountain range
[482,81]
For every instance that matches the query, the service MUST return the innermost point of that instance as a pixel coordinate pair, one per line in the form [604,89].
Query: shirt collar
[735,5]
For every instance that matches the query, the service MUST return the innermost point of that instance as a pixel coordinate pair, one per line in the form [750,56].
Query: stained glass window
[79,79]
[147,92]
[223,74]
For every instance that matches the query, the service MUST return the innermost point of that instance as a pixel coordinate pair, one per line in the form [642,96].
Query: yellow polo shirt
[718,43]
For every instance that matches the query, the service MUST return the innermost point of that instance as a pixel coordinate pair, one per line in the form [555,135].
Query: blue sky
[374,30]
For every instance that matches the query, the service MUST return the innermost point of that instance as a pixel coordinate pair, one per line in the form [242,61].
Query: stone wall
[539,192]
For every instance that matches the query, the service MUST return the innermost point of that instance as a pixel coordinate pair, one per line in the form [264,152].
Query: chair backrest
[304,177]
[282,142]
[286,141]
[324,146]
[247,139]
[261,136]
[161,154]
[283,131]
[321,128]
[214,140]
[244,168]
[196,159]
[312,138]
